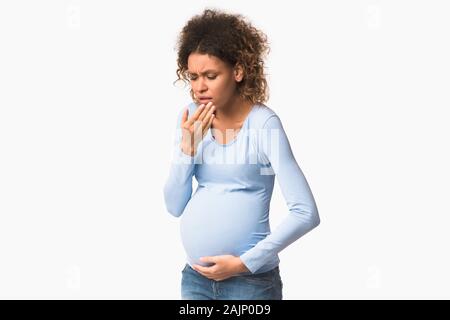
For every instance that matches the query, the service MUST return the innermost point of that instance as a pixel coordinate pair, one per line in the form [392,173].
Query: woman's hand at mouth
[194,129]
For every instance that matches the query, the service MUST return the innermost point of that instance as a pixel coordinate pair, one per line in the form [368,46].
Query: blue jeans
[259,286]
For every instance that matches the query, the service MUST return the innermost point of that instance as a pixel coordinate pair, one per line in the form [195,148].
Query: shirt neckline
[244,125]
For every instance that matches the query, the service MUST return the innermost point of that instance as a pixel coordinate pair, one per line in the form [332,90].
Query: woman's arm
[192,126]
[178,186]
[303,214]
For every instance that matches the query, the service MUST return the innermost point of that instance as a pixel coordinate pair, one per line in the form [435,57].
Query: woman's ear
[238,73]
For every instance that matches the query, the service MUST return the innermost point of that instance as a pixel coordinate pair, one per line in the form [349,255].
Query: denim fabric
[258,286]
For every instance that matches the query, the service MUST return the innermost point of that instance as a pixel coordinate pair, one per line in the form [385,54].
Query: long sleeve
[178,186]
[303,214]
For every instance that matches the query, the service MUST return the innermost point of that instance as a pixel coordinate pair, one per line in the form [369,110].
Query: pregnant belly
[215,223]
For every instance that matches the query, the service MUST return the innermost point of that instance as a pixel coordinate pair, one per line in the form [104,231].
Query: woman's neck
[234,112]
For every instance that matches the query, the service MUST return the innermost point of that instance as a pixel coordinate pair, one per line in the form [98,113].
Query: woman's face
[212,78]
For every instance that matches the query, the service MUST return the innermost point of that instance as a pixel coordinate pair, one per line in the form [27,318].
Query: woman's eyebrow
[204,72]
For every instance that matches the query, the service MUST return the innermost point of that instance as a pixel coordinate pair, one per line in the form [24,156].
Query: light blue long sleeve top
[229,211]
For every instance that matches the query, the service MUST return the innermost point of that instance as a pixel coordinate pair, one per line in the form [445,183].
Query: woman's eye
[195,78]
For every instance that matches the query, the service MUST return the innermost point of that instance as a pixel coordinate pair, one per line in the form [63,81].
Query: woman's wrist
[241,266]
[188,150]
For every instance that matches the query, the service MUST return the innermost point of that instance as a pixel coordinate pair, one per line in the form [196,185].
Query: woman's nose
[200,86]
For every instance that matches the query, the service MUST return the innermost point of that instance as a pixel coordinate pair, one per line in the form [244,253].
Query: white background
[87,115]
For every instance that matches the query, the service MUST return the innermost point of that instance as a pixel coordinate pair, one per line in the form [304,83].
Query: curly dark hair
[234,40]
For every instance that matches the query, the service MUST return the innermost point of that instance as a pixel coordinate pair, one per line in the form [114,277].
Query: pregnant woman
[234,145]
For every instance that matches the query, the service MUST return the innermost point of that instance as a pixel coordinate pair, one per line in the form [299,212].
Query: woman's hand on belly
[225,266]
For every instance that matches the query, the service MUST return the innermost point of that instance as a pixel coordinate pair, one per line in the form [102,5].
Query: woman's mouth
[205,100]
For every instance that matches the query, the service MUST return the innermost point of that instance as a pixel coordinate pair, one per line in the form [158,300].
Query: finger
[208,125]
[202,121]
[213,116]
[204,270]
[211,259]
[205,111]
[195,115]
[207,121]
[209,112]
[185,116]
